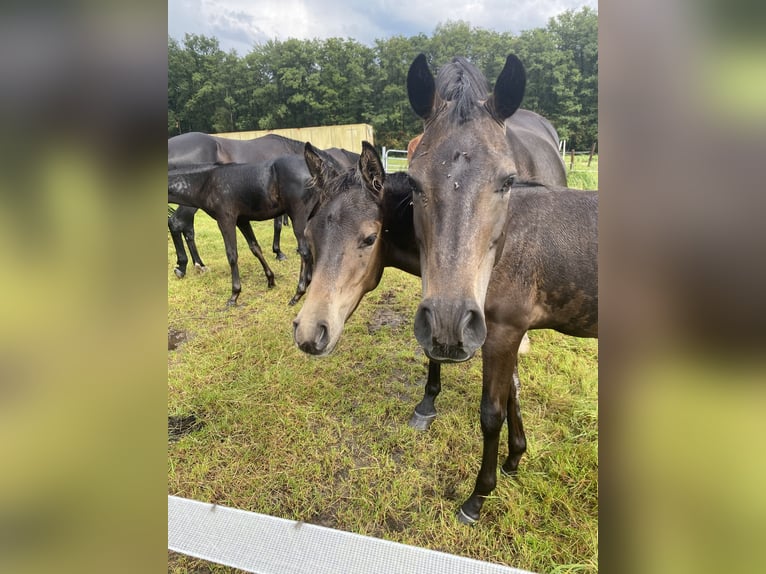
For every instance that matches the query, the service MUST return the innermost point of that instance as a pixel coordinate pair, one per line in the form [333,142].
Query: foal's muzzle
[313,341]
[450,331]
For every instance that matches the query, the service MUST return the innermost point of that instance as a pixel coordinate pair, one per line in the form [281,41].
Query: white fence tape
[269,545]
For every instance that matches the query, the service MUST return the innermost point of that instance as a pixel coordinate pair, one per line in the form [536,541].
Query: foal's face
[344,239]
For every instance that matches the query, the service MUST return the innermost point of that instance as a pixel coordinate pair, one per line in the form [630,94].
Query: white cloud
[238,24]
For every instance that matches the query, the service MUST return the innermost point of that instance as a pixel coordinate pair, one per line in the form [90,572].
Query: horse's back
[548,271]
[264,148]
[535,146]
[192,148]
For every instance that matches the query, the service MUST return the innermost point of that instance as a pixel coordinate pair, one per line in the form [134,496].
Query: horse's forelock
[462,83]
[334,187]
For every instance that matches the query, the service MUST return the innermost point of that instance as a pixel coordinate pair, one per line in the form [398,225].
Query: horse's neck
[185,189]
[405,258]
[401,249]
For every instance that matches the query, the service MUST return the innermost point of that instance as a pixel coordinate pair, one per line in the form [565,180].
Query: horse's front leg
[498,366]
[247,231]
[182,260]
[230,243]
[425,411]
[304,277]
[517,440]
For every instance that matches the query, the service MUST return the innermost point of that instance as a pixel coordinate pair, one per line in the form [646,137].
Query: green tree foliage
[302,83]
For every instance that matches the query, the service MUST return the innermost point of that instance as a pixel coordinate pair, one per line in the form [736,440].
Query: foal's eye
[369,240]
[507,183]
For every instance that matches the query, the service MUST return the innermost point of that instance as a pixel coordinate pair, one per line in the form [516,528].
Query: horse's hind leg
[277,235]
[498,363]
[249,234]
[425,411]
[185,220]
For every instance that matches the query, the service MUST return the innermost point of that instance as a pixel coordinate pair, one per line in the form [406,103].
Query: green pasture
[326,441]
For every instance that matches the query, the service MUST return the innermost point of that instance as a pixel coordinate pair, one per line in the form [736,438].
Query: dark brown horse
[550,255]
[199,148]
[235,194]
[474,146]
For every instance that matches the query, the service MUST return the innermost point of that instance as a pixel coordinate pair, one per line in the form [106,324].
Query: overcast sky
[239,24]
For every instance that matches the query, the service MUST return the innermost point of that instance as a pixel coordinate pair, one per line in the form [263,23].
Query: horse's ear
[509,88]
[371,169]
[316,164]
[421,88]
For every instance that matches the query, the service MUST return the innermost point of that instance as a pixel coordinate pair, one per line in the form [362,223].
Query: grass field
[326,441]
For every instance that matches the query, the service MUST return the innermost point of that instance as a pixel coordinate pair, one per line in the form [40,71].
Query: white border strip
[269,545]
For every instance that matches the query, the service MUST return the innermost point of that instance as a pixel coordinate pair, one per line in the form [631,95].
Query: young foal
[235,194]
[546,278]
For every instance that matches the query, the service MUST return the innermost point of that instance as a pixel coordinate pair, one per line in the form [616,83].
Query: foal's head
[343,233]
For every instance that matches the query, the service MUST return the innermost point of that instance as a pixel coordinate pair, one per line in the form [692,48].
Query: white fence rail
[268,545]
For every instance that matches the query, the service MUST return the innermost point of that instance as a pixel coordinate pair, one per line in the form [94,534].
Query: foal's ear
[371,169]
[318,169]
[421,88]
[509,88]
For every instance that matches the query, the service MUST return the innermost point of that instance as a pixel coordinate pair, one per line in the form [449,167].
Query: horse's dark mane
[462,83]
[398,194]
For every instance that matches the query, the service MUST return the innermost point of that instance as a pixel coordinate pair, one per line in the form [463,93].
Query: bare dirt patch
[385,317]
[175,338]
[179,426]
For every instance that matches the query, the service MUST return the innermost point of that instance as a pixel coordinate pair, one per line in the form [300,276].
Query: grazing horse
[235,194]
[545,278]
[471,152]
[199,148]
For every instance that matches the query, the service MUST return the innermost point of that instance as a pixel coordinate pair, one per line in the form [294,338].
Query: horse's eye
[508,183]
[369,240]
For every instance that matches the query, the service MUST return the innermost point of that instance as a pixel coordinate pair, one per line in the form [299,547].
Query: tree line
[302,83]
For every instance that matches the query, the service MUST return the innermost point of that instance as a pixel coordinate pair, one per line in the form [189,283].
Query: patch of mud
[175,338]
[386,318]
[182,425]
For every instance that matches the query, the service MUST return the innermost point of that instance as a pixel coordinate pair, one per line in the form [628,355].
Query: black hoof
[294,300]
[180,274]
[281,256]
[463,518]
[421,422]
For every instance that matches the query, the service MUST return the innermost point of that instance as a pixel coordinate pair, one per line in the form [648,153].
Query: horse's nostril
[473,330]
[322,336]
[424,325]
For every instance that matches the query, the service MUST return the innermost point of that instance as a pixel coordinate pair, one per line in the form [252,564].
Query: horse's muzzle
[450,331]
[315,342]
